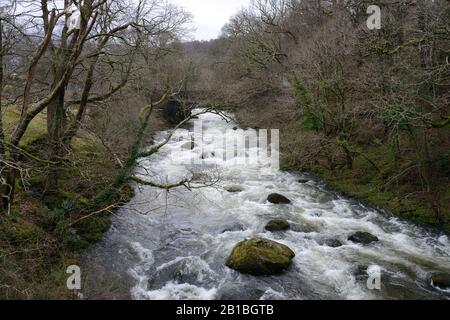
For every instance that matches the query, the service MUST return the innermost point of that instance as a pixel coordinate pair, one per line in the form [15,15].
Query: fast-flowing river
[174,245]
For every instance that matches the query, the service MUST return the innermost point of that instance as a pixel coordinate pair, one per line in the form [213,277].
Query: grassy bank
[399,199]
[43,235]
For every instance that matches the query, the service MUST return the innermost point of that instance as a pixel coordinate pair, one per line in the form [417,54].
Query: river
[173,245]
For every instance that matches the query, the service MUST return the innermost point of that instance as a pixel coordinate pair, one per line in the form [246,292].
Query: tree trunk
[56,113]
[70,55]
[2,135]
[55,125]
[4,204]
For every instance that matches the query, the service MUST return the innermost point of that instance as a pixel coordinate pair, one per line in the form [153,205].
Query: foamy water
[174,245]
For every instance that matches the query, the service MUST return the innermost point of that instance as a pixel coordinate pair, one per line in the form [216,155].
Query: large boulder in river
[276,198]
[277,225]
[363,238]
[260,257]
[441,280]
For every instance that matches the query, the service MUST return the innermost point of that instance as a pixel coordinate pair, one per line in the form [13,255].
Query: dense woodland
[367,110]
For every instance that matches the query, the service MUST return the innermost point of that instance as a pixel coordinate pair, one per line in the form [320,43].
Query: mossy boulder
[276,198]
[441,280]
[260,257]
[277,225]
[363,238]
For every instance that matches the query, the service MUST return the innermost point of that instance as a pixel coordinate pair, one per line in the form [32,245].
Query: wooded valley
[84,85]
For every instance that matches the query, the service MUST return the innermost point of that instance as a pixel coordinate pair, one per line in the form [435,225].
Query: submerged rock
[208,155]
[234,228]
[360,273]
[303,181]
[333,243]
[277,225]
[441,280]
[363,237]
[191,145]
[303,227]
[276,198]
[189,270]
[234,189]
[259,256]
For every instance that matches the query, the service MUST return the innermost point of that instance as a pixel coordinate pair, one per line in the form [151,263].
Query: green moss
[440,31]
[19,231]
[36,130]
[316,169]
[75,197]
[93,230]
[366,184]
[86,145]
[38,244]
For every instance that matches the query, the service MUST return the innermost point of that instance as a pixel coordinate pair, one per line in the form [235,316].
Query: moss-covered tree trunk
[2,136]
[55,124]
[56,116]
[129,165]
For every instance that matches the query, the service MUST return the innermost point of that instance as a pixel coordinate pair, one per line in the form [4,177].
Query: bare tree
[105,28]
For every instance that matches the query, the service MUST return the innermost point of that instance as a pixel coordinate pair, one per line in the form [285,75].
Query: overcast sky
[211,15]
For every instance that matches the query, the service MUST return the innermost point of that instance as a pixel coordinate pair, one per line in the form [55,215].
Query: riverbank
[37,243]
[373,182]
[175,245]
[43,235]
[36,249]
